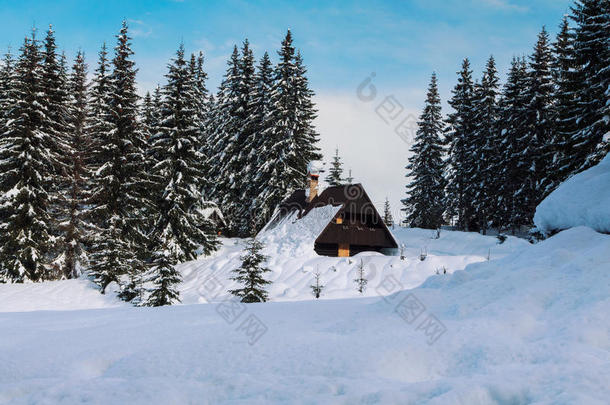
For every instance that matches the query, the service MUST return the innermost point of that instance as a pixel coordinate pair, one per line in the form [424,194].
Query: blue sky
[342,42]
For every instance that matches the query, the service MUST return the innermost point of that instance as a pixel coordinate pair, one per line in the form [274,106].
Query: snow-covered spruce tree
[251,274]
[291,138]
[592,58]
[120,185]
[164,275]
[387,214]
[259,142]
[7,78]
[305,135]
[539,121]
[335,172]
[200,90]
[510,169]
[180,228]
[28,160]
[177,169]
[73,192]
[241,161]
[97,125]
[57,123]
[225,127]
[566,85]
[483,147]
[424,204]
[460,127]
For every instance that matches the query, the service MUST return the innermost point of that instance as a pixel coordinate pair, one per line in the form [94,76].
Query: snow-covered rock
[584,199]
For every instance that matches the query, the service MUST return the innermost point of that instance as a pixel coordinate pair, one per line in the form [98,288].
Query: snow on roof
[293,232]
[207,212]
[315,167]
[583,199]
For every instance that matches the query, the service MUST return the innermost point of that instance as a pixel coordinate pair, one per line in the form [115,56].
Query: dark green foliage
[317,288]
[73,192]
[483,148]
[424,204]
[28,161]
[251,274]
[335,172]
[510,169]
[460,126]
[120,186]
[387,214]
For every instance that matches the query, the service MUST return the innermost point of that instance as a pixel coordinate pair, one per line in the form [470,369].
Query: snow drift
[583,199]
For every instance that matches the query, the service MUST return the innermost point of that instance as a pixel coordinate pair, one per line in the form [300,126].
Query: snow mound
[54,296]
[289,245]
[582,200]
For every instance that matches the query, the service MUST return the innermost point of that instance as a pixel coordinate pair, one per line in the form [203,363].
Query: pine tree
[388,220]
[460,127]
[510,169]
[306,138]
[483,148]
[241,161]
[565,78]
[251,274]
[335,172]
[6,83]
[73,193]
[424,204]
[291,138]
[259,142]
[165,277]
[587,144]
[539,131]
[98,121]
[27,162]
[120,184]
[177,170]
[225,126]
[57,124]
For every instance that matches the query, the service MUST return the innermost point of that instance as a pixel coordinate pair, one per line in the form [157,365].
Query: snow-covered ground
[529,328]
[510,323]
[293,261]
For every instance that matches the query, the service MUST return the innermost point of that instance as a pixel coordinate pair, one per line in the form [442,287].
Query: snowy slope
[54,296]
[529,328]
[293,261]
[584,199]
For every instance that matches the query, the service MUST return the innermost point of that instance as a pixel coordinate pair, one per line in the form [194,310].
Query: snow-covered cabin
[354,226]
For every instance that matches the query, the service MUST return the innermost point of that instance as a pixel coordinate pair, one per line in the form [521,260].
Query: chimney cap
[315,167]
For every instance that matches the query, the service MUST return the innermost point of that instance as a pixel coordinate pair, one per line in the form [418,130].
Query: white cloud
[367,144]
[139,29]
[505,5]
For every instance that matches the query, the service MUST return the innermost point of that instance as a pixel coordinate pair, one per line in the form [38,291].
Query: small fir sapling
[317,287]
[361,281]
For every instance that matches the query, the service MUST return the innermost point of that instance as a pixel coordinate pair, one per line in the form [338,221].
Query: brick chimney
[312,179]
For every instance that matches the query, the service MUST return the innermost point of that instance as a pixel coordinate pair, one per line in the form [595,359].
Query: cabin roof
[353,200]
